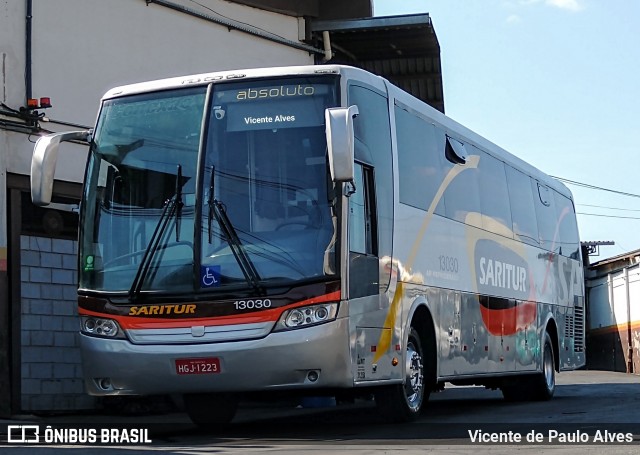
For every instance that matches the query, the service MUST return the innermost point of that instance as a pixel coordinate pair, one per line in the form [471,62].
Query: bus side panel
[450,332]
[494,294]
[375,324]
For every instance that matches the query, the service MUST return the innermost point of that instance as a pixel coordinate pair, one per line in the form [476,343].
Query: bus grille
[569,326]
[578,331]
[201,334]
[574,328]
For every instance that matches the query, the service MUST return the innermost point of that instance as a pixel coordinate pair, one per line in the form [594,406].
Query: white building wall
[610,306]
[12,51]
[81,48]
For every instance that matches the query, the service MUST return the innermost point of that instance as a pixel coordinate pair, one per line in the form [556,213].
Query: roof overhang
[403,49]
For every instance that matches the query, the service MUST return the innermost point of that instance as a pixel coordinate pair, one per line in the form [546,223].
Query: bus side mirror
[43,163]
[340,142]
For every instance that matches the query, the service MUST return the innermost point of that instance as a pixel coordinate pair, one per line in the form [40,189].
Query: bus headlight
[307,316]
[101,327]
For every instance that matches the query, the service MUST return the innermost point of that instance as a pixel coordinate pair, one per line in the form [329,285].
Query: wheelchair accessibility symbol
[209,276]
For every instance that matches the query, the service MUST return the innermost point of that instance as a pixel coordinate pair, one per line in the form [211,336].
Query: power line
[609,216]
[593,187]
[608,208]
[609,190]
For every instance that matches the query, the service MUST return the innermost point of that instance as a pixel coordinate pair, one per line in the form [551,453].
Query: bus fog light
[307,316]
[312,376]
[104,383]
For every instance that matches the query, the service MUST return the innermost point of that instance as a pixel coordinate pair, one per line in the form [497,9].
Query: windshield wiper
[218,211]
[171,207]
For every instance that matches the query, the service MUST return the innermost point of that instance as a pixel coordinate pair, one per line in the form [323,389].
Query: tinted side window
[523,213]
[462,195]
[373,130]
[545,213]
[420,167]
[569,239]
[361,213]
[494,194]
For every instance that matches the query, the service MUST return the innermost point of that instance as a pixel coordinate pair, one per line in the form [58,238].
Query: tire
[211,411]
[404,402]
[538,387]
[544,385]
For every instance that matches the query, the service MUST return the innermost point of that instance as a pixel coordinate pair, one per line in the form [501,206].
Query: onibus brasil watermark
[37,434]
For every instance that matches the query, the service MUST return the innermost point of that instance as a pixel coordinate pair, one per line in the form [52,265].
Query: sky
[557,83]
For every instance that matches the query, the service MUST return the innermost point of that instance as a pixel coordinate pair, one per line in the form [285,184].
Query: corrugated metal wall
[613,335]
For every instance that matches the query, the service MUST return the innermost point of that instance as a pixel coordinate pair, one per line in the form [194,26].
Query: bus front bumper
[313,357]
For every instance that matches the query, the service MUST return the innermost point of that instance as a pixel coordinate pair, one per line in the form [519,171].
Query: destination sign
[286,104]
[271,92]
[275,92]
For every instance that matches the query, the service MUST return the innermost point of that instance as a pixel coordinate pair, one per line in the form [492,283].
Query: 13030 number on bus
[252,304]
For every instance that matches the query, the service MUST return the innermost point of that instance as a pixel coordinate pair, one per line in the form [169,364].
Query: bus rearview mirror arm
[43,163]
[340,143]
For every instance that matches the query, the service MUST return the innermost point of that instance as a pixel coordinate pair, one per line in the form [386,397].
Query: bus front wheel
[403,402]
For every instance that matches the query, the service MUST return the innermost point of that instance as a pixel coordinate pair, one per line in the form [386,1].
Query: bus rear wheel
[403,402]
[538,387]
[211,411]
[544,385]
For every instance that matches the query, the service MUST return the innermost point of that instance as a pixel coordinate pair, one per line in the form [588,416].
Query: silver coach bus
[313,230]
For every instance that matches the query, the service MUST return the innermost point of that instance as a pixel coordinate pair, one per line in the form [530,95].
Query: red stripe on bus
[271,315]
[509,321]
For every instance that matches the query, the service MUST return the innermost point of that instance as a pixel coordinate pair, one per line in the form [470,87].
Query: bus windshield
[196,194]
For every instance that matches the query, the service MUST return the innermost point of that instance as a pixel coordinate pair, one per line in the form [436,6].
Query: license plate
[210,365]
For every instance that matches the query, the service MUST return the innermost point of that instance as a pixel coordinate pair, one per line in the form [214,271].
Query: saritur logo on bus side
[501,271]
[499,267]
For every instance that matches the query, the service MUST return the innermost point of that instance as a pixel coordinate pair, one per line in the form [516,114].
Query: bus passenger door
[375,322]
[364,301]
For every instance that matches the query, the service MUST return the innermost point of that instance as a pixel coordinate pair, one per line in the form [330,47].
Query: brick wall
[51,364]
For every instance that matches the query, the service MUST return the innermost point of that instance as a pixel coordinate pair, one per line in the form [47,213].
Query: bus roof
[447,123]
[230,75]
